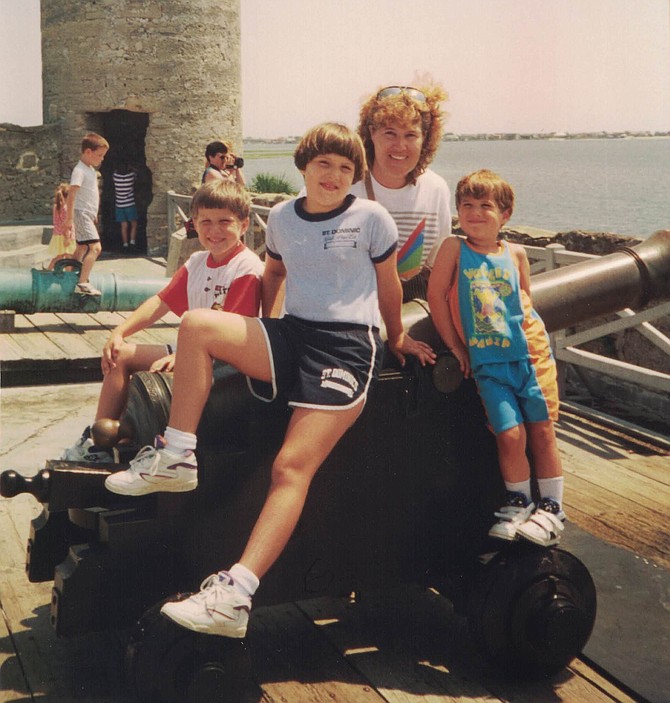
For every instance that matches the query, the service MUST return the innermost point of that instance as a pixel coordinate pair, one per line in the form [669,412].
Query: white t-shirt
[422,214]
[88,197]
[330,258]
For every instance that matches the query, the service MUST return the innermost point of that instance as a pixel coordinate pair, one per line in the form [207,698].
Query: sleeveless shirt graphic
[492,313]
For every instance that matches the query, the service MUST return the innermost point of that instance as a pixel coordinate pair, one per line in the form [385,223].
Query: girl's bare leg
[205,335]
[310,437]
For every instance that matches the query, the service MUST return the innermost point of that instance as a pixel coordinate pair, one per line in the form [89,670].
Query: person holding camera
[222,164]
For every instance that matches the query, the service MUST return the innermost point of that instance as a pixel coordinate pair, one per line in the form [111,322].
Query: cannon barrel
[630,277]
[31,291]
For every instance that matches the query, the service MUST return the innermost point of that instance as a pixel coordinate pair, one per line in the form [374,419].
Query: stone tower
[159,80]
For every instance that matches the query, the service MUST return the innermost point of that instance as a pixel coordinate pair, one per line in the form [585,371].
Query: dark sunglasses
[401,89]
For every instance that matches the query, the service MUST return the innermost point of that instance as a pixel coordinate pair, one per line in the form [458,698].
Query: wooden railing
[564,343]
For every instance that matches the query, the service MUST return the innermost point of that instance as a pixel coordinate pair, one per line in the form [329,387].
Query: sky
[508,65]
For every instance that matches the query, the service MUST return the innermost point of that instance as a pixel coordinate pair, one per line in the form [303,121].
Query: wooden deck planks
[68,339]
[612,486]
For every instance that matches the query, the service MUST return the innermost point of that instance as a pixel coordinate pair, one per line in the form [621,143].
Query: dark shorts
[125,214]
[320,365]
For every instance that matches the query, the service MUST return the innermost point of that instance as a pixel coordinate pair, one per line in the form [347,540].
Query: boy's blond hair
[331,138]
[93,142]
[402,109]
[220,195]
[486,184]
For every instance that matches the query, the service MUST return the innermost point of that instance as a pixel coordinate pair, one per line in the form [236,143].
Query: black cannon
[410,489]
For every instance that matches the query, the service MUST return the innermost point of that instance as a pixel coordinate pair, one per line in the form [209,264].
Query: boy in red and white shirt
[226,276]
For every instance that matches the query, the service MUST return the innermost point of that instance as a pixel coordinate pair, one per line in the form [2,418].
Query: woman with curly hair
[401,128]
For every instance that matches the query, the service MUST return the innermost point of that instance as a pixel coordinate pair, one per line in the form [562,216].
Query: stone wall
[29,171]
[177,62]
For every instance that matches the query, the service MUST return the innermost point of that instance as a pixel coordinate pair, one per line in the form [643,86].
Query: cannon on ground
[409,490]
[28,291]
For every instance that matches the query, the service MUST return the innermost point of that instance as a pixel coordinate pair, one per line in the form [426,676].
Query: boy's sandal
[542,528]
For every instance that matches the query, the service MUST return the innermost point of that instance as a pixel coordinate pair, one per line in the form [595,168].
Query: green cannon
[31,291]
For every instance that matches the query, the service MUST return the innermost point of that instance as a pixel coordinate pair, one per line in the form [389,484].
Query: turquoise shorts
[126,214]
[511,394]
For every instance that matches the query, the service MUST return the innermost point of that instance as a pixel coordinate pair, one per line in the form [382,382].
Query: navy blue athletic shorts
[320,365]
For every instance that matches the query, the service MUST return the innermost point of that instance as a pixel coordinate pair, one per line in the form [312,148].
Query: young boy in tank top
[479,294]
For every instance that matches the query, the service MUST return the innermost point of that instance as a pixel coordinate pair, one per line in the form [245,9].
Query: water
[601,185]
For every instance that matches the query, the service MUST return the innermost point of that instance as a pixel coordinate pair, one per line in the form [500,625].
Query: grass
[270,183]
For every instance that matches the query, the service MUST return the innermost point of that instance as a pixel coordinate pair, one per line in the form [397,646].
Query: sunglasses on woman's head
[401,89]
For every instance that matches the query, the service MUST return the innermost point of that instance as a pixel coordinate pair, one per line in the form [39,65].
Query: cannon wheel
[532,610]
[166,663]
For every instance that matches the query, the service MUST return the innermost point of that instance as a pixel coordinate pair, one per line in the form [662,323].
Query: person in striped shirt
[126,208]
[401,128]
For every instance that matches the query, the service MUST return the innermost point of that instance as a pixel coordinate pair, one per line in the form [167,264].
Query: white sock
[244,581]
[179,442]
[520,487]
[551,488]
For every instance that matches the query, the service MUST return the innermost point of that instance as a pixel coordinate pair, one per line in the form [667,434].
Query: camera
[239,162]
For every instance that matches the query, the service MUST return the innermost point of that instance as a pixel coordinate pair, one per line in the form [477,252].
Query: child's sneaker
[511,516]
[218,609]
[87,289]
[545,525]
[155,469]
[84,450]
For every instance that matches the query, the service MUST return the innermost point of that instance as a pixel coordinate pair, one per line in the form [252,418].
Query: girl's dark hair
[214,148]
[331,138]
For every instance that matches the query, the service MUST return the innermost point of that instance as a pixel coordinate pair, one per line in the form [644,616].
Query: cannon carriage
[409,492]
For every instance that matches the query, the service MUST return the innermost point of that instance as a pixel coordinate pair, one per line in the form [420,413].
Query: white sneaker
[155,469]
[85,450]
[511,516]
[218,609]
[87,289]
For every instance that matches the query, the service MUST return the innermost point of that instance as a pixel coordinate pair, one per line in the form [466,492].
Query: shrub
[269,183]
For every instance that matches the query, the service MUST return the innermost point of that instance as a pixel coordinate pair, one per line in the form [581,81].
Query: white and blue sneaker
[545,526]
[217,609]
[156,470]
[511,516]
[84,450]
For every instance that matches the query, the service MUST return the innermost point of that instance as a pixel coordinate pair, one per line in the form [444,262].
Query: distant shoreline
[501,136]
